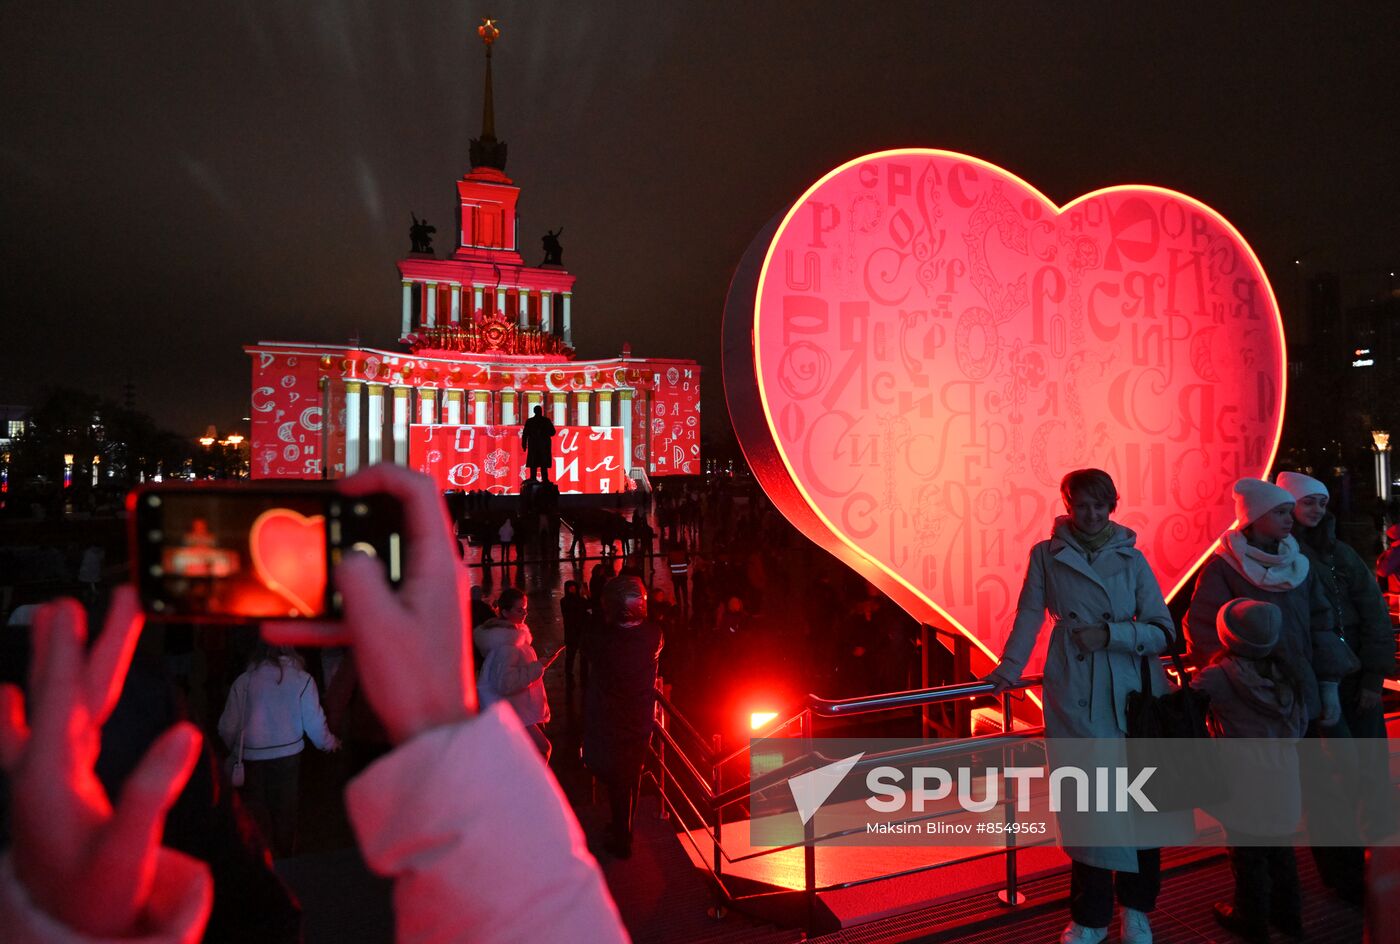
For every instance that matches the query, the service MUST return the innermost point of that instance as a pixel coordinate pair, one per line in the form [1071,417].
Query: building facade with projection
[486,338]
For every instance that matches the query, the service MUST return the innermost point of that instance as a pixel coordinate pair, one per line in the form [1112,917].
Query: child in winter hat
[1254,694]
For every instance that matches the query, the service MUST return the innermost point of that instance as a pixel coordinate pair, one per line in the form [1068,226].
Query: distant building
[14,421]
[488,339]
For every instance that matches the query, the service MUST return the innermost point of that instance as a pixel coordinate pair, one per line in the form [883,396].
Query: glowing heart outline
[747,385]
[302,523]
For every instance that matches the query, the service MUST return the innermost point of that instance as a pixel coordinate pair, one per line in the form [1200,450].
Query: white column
[561,408]
[401,425]
[508,408]
[352,426]
[430,309]
[546,312]
[624,409]
[605,398]
[375,420]
[407,307]
[581,399]
[522,302]
[533,398]
[427,405]
[478,299]
[568,320]
[456,303]
[480,400]
[501,301]
[454,407]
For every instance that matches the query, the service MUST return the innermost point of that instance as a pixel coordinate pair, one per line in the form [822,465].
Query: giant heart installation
[923,345]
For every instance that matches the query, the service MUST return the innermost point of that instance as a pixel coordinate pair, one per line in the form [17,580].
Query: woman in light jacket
[271,709]
[1106,612]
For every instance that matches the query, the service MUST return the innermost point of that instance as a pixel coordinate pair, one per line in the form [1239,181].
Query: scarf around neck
[1275,572]
[1092,542]
[1263,685]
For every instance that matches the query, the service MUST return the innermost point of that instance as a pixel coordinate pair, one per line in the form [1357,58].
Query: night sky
[177,180]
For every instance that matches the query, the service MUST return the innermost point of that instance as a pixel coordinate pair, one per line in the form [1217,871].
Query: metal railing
[690,780]
[689,774]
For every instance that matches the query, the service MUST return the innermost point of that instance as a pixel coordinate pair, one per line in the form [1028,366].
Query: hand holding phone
[234,553]
[412,648]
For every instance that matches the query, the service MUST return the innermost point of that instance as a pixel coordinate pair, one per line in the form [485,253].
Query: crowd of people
[1291,638]
[1287,630]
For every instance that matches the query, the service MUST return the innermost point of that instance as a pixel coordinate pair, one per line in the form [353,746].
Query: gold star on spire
[488,31]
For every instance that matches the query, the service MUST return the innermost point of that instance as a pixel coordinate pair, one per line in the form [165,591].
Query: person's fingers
[59,630]
[369,603]
[181,897]
[111,654]
[14,730]
[304,633]
[147,795]
[427,525]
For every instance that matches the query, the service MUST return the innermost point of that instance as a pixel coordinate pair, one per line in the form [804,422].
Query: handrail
[916,698]
[689,766]
[714,799]
[672,711]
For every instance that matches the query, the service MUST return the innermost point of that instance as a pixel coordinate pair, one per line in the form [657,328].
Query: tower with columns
[488,338]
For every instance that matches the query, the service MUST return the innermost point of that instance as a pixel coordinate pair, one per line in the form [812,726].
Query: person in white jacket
[272,710]
[462,814]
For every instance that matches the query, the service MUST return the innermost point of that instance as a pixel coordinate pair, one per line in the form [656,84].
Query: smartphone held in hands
[235,553]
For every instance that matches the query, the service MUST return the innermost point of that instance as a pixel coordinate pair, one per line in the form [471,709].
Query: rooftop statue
[421,233]
[553,252]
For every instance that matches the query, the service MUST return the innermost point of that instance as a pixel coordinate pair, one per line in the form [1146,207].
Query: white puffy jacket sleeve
[479,840]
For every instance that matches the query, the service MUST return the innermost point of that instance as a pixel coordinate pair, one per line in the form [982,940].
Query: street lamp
[1381,439]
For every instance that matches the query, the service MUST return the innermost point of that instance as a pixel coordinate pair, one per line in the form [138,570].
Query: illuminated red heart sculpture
[920,348]
[289,557]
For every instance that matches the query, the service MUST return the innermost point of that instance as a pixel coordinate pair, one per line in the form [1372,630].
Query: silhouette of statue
[421,233]
[553,252]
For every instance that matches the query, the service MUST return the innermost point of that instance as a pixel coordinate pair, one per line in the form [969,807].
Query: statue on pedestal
[553,252]
[421,234]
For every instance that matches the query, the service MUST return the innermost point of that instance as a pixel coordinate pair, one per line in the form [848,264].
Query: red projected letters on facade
[934,344]
[490,458]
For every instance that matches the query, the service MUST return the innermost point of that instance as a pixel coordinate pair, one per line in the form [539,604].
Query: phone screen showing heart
[242,556]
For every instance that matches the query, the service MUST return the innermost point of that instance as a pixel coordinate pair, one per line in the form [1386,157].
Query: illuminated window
[16,428]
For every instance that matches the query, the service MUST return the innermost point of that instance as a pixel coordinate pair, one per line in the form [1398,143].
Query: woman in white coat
[1106,612]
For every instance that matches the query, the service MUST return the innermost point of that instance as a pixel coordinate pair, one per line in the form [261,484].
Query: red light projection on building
[674,421]
[286,417]
[920,348]
[587,459]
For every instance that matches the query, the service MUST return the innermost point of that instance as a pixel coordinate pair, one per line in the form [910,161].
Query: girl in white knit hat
[1364,623]
[1259,558]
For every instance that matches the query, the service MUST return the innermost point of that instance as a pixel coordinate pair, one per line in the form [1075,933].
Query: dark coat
[535,436]
[1357,604]
[1307,641]
[618,705]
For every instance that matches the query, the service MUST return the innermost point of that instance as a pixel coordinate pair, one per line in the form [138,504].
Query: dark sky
[179,179]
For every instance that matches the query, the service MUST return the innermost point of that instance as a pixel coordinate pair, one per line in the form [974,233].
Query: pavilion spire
[486,151]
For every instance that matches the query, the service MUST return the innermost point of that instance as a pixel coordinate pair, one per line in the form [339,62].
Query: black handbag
[1180,713]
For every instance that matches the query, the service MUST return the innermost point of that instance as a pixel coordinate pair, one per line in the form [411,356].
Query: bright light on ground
[760,718]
